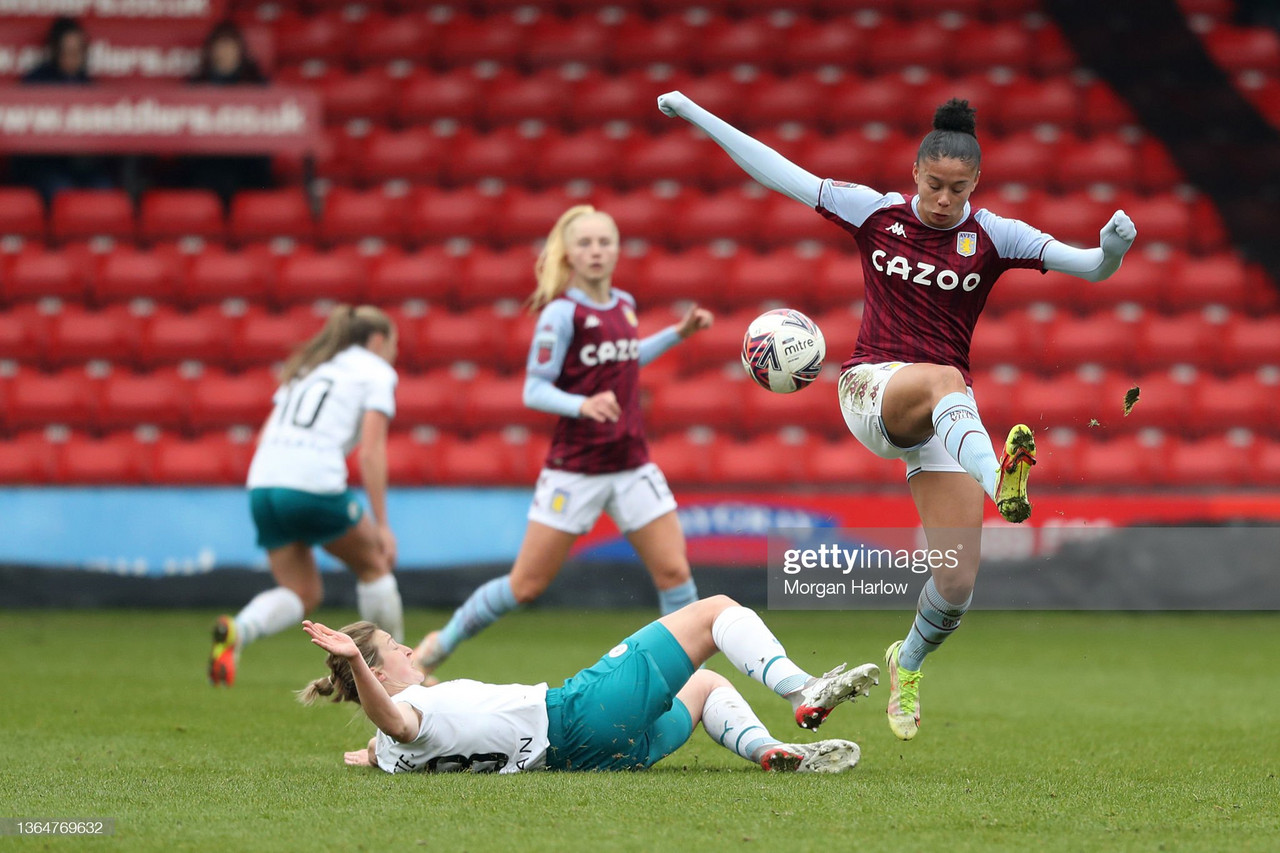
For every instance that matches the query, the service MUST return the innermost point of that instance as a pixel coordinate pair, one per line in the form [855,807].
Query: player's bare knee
[311,595]
[715,605]
[527,589]
[947,380]
[705,681]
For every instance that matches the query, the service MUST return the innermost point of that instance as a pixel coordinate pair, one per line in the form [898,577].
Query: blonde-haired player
[584,366]
[337,392]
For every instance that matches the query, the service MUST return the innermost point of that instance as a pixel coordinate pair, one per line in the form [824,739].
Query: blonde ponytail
[347,325]
[552,269]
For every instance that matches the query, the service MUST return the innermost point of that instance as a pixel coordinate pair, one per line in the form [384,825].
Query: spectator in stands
[584,365]
[66,64]
[929,263]
[225,61]
[630,710]
[337,392]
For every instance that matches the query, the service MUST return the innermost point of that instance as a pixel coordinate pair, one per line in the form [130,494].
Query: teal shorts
[285,516]
[622,714]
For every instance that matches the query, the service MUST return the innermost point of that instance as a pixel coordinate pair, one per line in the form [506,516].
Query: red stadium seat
[725,42]
[220,399]
[855,101]
[671,276]
[477,336]
[591,155]
[1185,338]
[173,214]
[69,397]
[438,215]
[210,459]
[1072,217]
[464,40]
[77,334]
[1027,102]
[1162,404]
[384,38]
[845,463]
[299,38]
[21,213]
[1101,338]
[1164,218]
[707,399]
[643,214]
[429,273]
[1214,461]
[1104,110]
[999,340]
[1141,279]
[720,92]
[505,153]
[684,460]
[761,461]
[553,41]
[492,460]
[721,345]
[127,273]
[602,98]
[733,214]
[1252,343]
[426,97]
[850,156]
[419,155]
[784,222]
[489,275]
[1122,462]
[840,327]
[170,337]
[1210,280]
[677,155]
[815,43]
[369,94]
[1022,157]
[415,462]
[1103,159]
[1019,288]
[783,275]
[82,214]
[1238,49]
[1053,55]
[130,399]
[1007,45]
[494,403]
[528,216]
[1266,462]
[639,42]
[542,96]
[1061,401]
[816,408]
[981,90]
[838,281]
[436,398]
[1157,172]
[258,215]
[354,215]
[27,459]
[308,275]
[24,333]
[893,46]
[1243,400]
[115,459]
[799,98]
[219,274]
[35,272]
[262,338]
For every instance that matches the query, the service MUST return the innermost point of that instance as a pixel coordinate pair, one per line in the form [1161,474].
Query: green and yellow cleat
[904,696]
[1011,489]
[223,658]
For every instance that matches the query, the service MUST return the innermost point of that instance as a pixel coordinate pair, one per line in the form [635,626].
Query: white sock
[751,647]
[730,722]
[379,602]
[269,613]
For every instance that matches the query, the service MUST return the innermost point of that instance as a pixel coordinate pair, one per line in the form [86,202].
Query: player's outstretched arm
[398,720]
[757,159]
[695,320]
[1094,264]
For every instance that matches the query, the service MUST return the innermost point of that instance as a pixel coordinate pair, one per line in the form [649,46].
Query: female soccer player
[929,264]
[337,391]
[633,708]
[584,365]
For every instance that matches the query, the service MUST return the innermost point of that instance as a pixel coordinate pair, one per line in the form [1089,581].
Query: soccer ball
[783,350]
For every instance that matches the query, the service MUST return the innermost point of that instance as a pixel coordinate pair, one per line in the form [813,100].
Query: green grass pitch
[1042,731]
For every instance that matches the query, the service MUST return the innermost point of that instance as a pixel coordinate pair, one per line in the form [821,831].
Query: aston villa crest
[967,243]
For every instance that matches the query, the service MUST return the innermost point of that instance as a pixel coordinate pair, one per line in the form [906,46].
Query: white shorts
[861,400]
[569,501]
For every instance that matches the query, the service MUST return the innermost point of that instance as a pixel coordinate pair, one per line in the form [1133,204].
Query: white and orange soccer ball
[783,350]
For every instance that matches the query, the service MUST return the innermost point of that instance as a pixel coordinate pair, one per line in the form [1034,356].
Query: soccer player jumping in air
[929,263]
[633,708]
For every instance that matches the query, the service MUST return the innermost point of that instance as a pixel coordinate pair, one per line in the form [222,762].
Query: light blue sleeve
[658,343]
[853,203]
[1013,238]
[552,338]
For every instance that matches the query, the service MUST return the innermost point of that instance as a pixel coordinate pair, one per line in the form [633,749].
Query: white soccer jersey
[470,725]
[316,422]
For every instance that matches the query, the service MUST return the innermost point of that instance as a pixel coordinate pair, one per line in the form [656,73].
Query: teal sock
[671,600]
[936,619]
[957,424]
[485,606]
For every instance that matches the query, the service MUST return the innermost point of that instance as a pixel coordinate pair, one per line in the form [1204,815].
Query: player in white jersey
[337,393]
[929,263]
[635,706]
[584,365]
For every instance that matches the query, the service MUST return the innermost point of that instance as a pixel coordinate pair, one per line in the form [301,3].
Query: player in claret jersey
[929,263]
[584,365]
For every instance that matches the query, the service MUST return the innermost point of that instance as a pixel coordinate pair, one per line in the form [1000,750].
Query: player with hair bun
[584,365]
[929,264]
[337,392]
[630,710]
